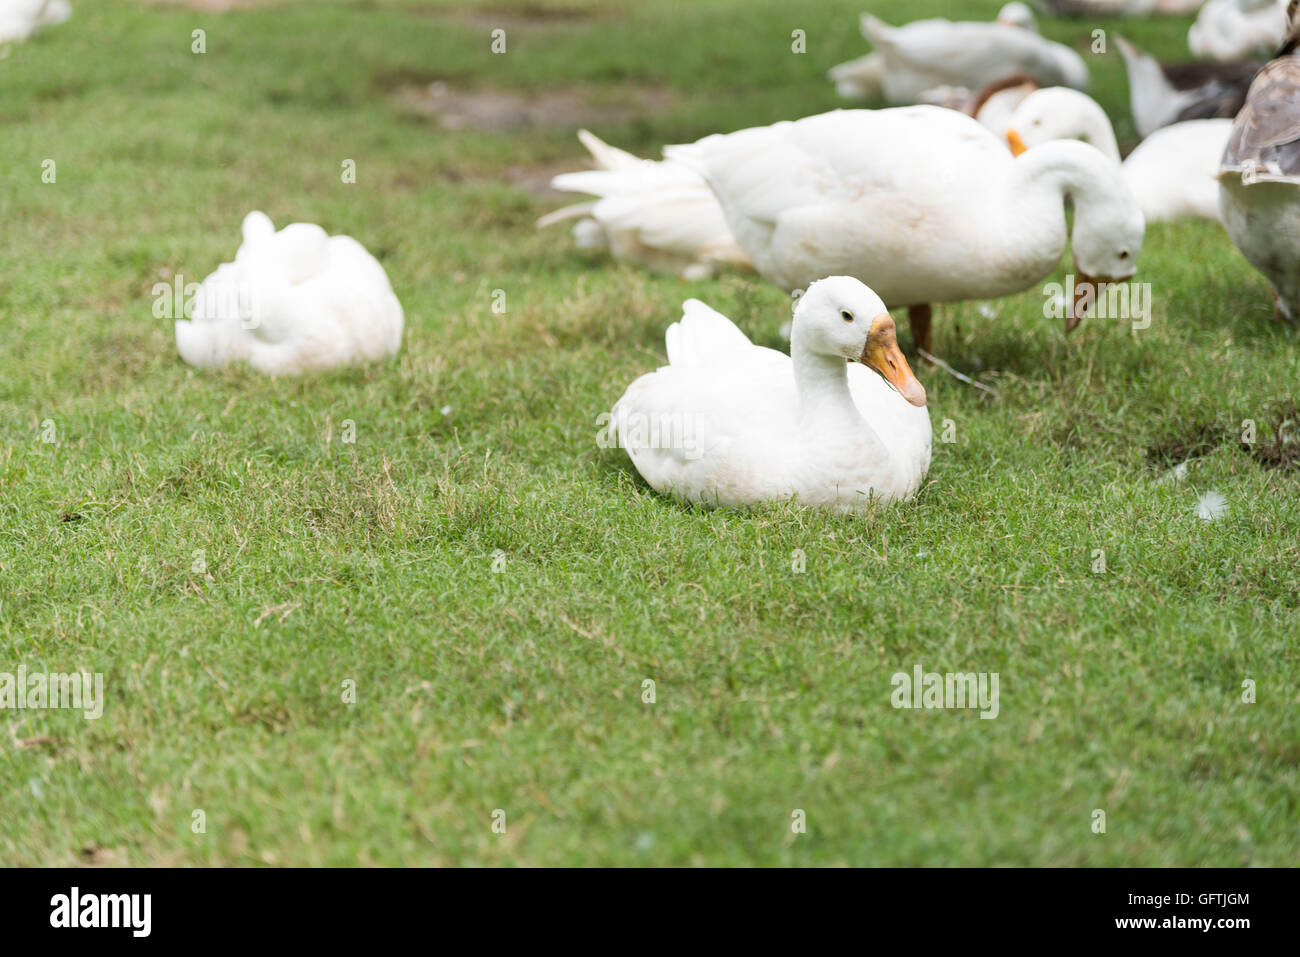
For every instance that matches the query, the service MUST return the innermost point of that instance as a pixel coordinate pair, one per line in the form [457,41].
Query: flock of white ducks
[925,203]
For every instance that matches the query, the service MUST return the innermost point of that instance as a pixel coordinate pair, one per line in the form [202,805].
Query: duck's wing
[1265,139]
[693,426]
[704,338]
[761,171]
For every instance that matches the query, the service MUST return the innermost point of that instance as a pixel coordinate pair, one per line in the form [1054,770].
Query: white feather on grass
[1211,506]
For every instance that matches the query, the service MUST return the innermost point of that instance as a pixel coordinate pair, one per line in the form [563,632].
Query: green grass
[520,689]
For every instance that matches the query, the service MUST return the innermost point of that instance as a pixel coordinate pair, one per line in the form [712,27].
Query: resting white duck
[728,423]
[1260,182]
[293,301]
[923,204]
[1238,29]
[20,19]
[910,60]
[658,214]
[1173,172]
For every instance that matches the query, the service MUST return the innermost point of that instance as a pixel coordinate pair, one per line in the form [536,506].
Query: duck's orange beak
[1085,294]
[1016,143]
[882,354]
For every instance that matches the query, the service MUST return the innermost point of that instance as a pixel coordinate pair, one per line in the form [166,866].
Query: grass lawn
[498,586]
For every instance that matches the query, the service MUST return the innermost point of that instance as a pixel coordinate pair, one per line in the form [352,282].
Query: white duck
[922,203]
[1238,29]
[1260,181]
[293,301]
[1173,172]
[992,106]
[1165,93]
[1115,8]
[658,214]
[20,19]
[730,423]
[910,60]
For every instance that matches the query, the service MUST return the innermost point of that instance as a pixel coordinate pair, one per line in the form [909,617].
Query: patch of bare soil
[209,6]
[1191,442]
[1275,446]
[527,15]
[503,110]
[1280,447]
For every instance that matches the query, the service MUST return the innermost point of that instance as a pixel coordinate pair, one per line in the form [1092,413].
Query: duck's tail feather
[702,335]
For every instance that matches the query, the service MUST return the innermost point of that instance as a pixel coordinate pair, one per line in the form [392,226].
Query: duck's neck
[1099,133]
[1064,168]
[822,385]
[1032,206]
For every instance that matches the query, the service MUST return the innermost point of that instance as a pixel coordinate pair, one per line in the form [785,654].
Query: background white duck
[1165,93]
[293,301]
[992,106]
[1173,172]
[1260,181]
[757,425]
[910,60]
[1238,29]
[923,204]
[1115,8]
[659,214]
[20,19]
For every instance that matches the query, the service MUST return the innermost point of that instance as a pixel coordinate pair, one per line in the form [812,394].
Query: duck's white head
[1059,113]
[1017,14]
[842,317]
[1108,222]
[1107,238]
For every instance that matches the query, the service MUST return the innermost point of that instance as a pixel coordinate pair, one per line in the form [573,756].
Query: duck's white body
[20,19]
[752,424]
[923,204]
[658,214]
[915,58]
[1259,198]
[1238,29]
[1263,220]
[1173,172]
[293,301]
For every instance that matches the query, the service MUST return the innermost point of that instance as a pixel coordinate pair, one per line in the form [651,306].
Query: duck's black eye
[1123,254]
[846,315]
